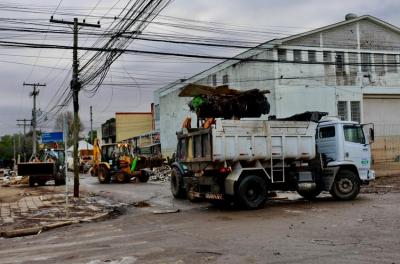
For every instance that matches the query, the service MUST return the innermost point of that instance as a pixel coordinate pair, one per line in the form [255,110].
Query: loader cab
[344,143]
[111,153]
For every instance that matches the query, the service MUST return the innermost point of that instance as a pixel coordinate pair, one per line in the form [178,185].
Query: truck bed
[234,140]
[36,169]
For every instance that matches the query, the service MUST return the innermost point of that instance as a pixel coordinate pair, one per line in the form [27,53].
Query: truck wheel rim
[345,185]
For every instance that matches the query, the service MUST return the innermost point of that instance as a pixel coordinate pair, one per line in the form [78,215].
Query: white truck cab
[346,144]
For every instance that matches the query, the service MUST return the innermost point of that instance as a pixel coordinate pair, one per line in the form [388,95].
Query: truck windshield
[354,134]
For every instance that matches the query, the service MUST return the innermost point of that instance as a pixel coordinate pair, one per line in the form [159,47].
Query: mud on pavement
[27,211]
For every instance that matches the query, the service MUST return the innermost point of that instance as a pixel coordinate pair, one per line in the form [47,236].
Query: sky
[133,78]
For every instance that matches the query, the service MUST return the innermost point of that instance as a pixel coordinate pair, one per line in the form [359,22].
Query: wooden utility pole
[75,87]
[91,125]
[34,93]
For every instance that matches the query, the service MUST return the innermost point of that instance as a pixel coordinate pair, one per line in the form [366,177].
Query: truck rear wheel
[252,192]
[346,185]
[177,188]
[103,175]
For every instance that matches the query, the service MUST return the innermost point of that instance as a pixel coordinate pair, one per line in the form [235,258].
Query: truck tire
[346,185]
[41,182]
[103,175]
[120,177]
[177,188]
[59,179]
[31,181]
[310,194]
[144,176]
[252,192]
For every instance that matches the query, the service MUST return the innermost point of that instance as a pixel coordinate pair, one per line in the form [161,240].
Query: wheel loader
[116,163]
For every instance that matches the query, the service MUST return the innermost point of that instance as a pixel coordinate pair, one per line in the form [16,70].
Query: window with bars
[342,110]
[312,57]
[365,62]
[355,111]
[391,63]
[225,79]
[297,55]
[379,64]
[327,56]
[281,55]
[214,79]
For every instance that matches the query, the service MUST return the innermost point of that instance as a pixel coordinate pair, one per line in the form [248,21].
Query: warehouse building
[349,69]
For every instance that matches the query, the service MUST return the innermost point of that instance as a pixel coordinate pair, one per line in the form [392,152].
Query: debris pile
[161,174]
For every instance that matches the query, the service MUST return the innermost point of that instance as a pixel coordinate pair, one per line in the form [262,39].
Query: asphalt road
[366,230]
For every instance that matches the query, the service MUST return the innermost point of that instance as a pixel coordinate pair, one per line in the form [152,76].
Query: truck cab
[345,144]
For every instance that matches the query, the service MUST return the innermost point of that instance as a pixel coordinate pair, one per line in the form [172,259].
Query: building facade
[349,69]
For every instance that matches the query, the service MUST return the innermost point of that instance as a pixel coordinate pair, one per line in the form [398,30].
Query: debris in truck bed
[313,116]
[225,102]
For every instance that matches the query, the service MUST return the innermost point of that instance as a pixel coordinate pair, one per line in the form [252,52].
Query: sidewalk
[34,214]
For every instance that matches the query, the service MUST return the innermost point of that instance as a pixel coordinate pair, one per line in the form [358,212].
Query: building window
[379,64]
[339,59]
[391,63]
[281,55]
[365,62]
[312,57]
[297,55]
[355,111]
[342,110]
[225,79]
[327,56]
[353,68]
[214,79]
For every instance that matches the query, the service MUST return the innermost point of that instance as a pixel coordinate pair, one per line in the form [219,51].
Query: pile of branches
[251,103]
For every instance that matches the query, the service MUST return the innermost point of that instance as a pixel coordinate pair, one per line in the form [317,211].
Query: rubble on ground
[161,174]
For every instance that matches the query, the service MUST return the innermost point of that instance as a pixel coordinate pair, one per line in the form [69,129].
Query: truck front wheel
[252,192]
[103,175]
[177,188]
[346,185]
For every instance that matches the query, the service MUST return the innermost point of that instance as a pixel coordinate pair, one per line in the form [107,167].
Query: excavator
[116,162]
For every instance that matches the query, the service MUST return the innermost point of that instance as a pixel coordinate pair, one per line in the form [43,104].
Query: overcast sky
[265,19]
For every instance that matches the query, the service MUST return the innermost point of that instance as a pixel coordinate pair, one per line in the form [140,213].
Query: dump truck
[241,161]
[49,165]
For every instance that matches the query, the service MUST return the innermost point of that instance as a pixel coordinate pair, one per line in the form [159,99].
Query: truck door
[326,142]
[356,148]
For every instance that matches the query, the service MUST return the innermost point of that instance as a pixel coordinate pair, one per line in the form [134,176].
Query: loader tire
[252,192]
[144,176]
[346,185]
[103,175]
[177,188]
[32,181]
[120,177]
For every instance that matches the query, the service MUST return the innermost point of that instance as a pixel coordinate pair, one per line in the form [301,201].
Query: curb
[38,229]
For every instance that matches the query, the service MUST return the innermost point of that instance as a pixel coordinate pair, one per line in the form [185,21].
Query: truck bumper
[367,177]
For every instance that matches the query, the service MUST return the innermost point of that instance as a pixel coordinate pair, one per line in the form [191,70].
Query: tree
[70,122]
[94,136]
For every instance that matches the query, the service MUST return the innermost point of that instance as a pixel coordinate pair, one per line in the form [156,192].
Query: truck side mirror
[371,135]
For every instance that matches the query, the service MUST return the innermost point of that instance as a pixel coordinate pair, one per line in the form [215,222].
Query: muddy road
[366,230]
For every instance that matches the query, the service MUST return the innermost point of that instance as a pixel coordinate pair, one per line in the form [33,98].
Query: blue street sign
[52,137]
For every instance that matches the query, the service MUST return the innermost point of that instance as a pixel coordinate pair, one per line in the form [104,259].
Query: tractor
[116,163]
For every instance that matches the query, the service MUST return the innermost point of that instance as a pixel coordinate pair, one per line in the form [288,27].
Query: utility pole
[34,93]
[25,123]
[91,126]
[75,87]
